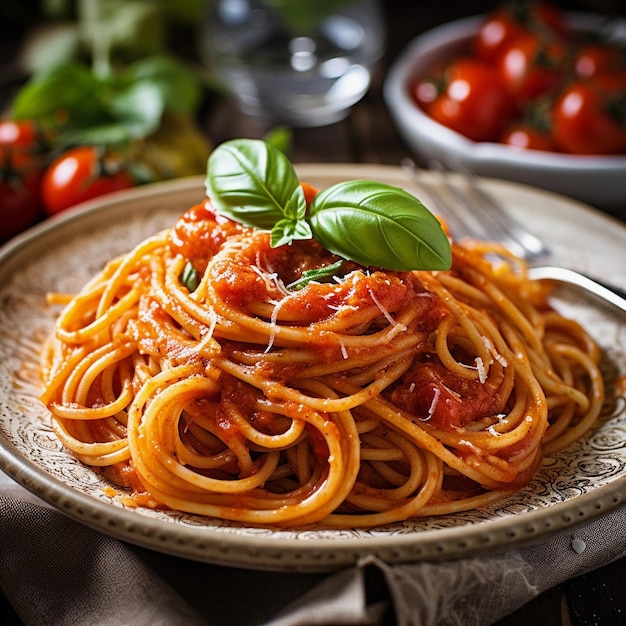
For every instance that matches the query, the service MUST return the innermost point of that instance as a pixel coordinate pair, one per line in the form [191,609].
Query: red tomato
[532,66]
[20,145]
[80,174]
[503,25]
[495,34]
[20,205]
[596,58]
[613,84]
[425,91]
[523,135]
[547,18]
[21,167]
[588,117]
[474,102]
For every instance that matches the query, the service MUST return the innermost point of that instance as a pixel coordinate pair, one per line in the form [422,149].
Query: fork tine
[533,246]
[459,212]
[472,212]
[459,220]
[455,207]
[452,203]
[465,205]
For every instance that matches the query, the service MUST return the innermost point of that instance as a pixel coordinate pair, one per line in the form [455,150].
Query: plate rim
[283,553]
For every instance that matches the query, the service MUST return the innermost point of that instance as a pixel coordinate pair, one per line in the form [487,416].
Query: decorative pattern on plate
[577,484]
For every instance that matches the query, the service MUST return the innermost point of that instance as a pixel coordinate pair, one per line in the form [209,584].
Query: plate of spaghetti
[170,377]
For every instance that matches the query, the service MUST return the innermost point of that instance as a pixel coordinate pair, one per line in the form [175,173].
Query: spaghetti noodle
[371,398]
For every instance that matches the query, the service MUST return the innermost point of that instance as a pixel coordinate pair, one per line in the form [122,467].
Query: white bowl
[595,180]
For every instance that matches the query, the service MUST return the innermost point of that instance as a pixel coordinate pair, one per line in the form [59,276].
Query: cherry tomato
[546,18]
[589,117]
[510,20]
[593,59]
[21,168]
[20,205]
[425,91]
[532,66]
[613,84]
[495,34]
[474,102]
[80,174]
[524,135]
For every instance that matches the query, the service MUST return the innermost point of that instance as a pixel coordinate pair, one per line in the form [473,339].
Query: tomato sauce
[444,400]
[200,232]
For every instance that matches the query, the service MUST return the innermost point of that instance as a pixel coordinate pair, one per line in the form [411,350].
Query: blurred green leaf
[139,108]
[135,28]
[179,86]
[281,137]
[64,88]
[48,45]
[85,108]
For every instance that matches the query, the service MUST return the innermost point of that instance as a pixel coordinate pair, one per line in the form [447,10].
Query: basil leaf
[189,277]
[139,107]
[70,87]
[252,182]
[379,225]
[178,86]
[287,230]
[281,137]
[100,111]
[295,208]
[132,113]
[318,275]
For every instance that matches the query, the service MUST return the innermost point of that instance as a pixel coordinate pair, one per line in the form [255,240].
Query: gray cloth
[56,571]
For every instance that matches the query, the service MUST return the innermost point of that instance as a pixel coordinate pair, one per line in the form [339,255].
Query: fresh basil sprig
[189,277]
[108,110]
[371,223]
[321,274]
[254,183]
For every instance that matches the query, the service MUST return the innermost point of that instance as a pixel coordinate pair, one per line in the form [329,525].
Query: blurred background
[172,105]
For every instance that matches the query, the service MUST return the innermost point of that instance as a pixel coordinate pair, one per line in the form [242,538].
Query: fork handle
[608,293]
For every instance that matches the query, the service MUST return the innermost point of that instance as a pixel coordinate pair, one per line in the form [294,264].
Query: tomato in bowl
[530,158]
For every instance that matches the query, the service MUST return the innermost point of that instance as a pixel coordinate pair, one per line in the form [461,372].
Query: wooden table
[368,135]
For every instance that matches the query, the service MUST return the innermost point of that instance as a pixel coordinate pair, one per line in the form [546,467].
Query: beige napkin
[56,571]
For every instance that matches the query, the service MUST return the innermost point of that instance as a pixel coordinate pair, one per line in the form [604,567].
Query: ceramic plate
[585,481]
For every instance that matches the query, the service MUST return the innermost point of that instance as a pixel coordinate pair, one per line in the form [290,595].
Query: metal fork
[474,213]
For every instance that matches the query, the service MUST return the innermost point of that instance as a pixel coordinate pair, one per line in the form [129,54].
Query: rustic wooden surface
[368,135]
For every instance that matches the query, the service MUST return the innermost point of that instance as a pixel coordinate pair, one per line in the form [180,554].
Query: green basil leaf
[139,107]
[281,137]
[295,209]
[132,113]
[379,225]
[251,182]
[99,110]
[189,277]
[288,230]
[112,134]
[320,274]
[179,86]
[70,87]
